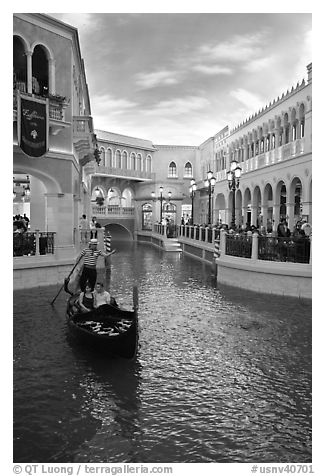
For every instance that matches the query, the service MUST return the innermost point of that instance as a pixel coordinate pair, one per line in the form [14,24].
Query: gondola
[110,330]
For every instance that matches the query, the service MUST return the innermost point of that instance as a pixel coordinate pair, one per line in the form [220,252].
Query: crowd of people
[20,223]
[301,228]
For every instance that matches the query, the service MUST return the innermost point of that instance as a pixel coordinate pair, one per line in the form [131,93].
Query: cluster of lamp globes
[233,176]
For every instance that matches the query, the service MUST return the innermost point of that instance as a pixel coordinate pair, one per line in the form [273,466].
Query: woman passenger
[86,299]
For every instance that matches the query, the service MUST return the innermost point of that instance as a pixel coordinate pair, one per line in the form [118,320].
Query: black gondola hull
[121,344]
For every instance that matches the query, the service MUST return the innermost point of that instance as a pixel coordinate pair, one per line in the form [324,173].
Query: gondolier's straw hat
[93,241]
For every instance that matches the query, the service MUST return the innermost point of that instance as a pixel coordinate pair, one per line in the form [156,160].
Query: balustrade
[107,210]
[33,243]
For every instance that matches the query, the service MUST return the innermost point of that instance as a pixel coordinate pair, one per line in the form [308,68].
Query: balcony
[57,107]
[129,174]
[282,153]
[113,211]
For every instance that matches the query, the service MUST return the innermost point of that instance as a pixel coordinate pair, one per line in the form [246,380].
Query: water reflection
[222,375]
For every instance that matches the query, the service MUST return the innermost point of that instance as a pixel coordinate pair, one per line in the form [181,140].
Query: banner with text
[33,127]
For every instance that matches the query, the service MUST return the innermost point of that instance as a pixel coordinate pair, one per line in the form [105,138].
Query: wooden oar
[52,302]
[135,298]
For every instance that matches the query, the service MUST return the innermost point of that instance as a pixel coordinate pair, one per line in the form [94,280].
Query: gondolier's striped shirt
[90,257]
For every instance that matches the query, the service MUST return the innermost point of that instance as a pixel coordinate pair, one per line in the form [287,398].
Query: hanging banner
[32,134]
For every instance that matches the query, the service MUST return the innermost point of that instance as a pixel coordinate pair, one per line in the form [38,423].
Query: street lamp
[161,199]
[210,182]
[193,188]
[233,177]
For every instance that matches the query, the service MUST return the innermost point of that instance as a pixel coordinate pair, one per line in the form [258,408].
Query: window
[125,160]
[147,216]
[302,128]
[118,164]
[148,163]
[20,65]
[133,161]
[188,170]
[40,74]
[172,170]
[139,162]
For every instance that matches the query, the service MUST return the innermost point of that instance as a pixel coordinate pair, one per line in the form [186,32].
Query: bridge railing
[109,210]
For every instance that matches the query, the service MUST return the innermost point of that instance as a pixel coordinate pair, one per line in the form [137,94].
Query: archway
[220,209]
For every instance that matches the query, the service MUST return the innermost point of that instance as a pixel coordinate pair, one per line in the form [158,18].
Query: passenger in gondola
[102,298]
[86,299]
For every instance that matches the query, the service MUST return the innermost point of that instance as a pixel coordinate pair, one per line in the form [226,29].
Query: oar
[135,298]
[52,302]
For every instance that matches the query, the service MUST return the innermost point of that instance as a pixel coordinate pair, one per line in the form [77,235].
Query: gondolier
[89,272]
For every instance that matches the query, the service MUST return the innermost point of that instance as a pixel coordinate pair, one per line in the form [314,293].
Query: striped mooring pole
[216,256]
[107,242]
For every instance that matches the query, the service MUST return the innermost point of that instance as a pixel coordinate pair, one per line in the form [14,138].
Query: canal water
[221,375]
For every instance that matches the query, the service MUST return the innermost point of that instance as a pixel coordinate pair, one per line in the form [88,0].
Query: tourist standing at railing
[93,228]
[283,230]
[84,229]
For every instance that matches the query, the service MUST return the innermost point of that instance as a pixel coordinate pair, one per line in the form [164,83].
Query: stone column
[290,214]
[222,247]
[29,72]
[277,137]
[255,246]
[51,76]
[59,219]
[254,214]
[307,210]
[276,215]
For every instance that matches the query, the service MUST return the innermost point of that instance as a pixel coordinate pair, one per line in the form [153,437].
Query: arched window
[40,72]
[172,170]
[147,216]
[188,170]
[19,65]
[125,160]
[118,159]
[133,161]
[139,162]
[149,162]
[108,161]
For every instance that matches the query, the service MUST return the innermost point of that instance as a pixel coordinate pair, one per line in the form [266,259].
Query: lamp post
[210,182]
[193,188]
[233,177]
[161,199]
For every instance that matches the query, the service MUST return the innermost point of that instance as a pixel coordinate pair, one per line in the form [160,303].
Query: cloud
[212,69]
[178,106]
[250,100]
[81,21]
[238,49]
[157,78]
[110,105]
[260,64]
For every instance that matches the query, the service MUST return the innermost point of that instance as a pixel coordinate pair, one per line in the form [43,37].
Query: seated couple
[89,300]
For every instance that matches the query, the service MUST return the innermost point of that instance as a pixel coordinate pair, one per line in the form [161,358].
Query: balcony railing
[33,243]
[109,210]
[279,154]
[131,173]
[56,107]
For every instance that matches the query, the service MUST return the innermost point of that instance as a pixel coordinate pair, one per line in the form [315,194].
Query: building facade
[48,73]
[132,182]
